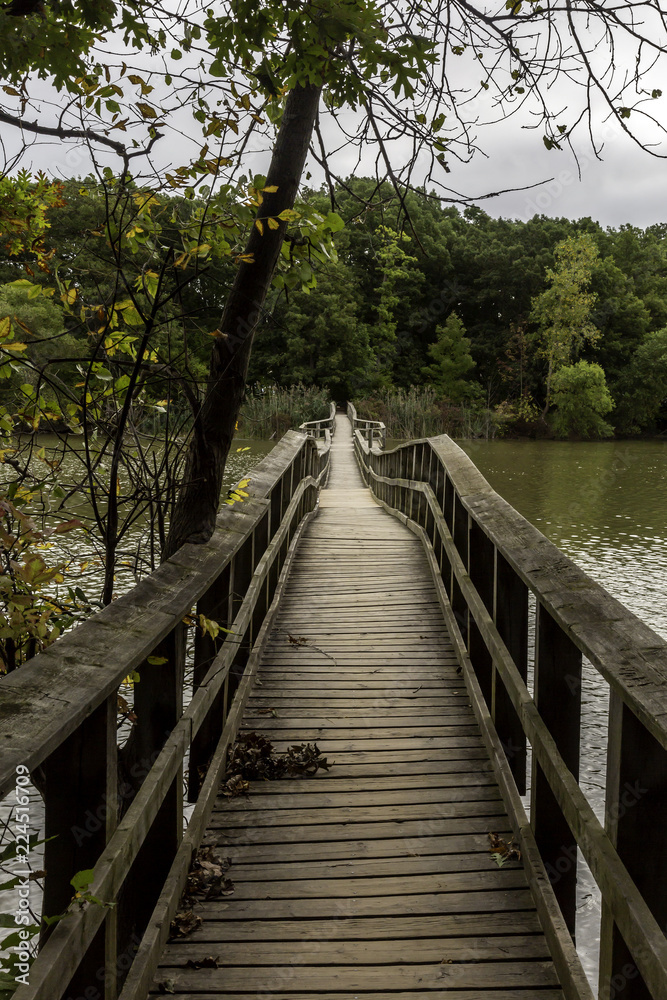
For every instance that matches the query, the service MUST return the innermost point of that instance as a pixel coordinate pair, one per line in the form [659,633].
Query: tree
[452,362]
[562,312]
[582,399]
[643,386]
[245,69]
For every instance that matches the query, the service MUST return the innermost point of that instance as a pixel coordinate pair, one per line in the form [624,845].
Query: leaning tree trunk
[196,506]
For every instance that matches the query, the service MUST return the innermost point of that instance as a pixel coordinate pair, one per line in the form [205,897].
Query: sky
[626,185]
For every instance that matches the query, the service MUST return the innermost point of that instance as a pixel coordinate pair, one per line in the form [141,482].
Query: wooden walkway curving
[373,879]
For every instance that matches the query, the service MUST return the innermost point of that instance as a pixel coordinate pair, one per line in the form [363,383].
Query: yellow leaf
[157,661]
[271,189]
[16,346]
[273,223]
[5,327]
[260,226]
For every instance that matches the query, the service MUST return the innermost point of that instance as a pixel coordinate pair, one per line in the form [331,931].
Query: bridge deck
[373,878]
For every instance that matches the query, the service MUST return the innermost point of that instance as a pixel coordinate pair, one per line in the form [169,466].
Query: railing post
[636,820]
[511,618]
[482,570]
[158,704]
[215,605]
[460,535]
[81,810]
[558,700]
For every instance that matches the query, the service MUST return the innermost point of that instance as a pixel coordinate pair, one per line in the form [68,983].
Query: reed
[269,411]
[418,412]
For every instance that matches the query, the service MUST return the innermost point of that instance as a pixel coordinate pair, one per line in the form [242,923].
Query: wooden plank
[365,798]
[479,861]
[316,951]
[395,847]
[447,994]
[492,902]
[414,831]
[466,975]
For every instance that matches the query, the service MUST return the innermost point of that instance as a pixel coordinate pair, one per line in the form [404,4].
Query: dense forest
[552,327]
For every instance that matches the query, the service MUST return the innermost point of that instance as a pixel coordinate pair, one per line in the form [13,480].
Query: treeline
[554,325]
[551,325]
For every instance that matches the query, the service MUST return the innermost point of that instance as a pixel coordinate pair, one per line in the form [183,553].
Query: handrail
[487,558]
[373,430]
[68,740]
[319,428]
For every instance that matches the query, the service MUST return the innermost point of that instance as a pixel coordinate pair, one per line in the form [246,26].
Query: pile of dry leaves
[207,879]
[254,758]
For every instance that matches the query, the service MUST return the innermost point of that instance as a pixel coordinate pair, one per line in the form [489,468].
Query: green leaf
[82,879]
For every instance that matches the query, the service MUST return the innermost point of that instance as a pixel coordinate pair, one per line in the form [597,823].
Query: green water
[603,503]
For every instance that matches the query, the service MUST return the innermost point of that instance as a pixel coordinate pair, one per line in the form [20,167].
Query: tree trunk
[196,507]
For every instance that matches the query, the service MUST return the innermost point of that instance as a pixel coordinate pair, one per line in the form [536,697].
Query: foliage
[32,615]
[399,277]
[562,311]
[419,412]
[271,410]
[642,389]
[452,362]
[582,398]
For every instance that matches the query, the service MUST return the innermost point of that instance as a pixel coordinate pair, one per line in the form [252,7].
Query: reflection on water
[603,504]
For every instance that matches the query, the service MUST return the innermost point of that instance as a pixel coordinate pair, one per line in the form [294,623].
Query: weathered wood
[511,620]
[636,819]
[410,797]
[81,811]
[147,835]
[591,621]
[557,696]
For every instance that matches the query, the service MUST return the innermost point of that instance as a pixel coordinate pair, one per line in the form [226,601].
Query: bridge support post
[482,571]
[511,618]
[81,806]
[215,605]
[636,821]
[558,699]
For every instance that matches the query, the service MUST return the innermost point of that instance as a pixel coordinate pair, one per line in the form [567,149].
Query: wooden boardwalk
[375,878]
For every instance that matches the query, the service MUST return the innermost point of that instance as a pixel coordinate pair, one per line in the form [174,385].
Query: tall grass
[269,411]
[417,412]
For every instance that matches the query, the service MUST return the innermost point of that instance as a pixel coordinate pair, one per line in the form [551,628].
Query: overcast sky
[627,185]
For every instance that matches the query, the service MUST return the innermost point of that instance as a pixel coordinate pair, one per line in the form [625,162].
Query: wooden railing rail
[374,431]
[320,428]
[487,558]
[121,813]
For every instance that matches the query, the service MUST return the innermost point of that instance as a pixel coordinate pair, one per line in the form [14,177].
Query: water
[603,504]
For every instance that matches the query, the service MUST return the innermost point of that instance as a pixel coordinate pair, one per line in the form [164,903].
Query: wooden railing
[121,813]
[372,430]
[319,428]
[486,558]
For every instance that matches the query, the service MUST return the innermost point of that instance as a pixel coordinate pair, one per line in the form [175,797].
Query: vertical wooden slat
[558,699]
[482,572]
[636,820]
[215,605]
[158,702]
[81,807]
[460,535]
[511,618]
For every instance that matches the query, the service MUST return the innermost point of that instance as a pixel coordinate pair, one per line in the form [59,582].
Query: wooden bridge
[430,641]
